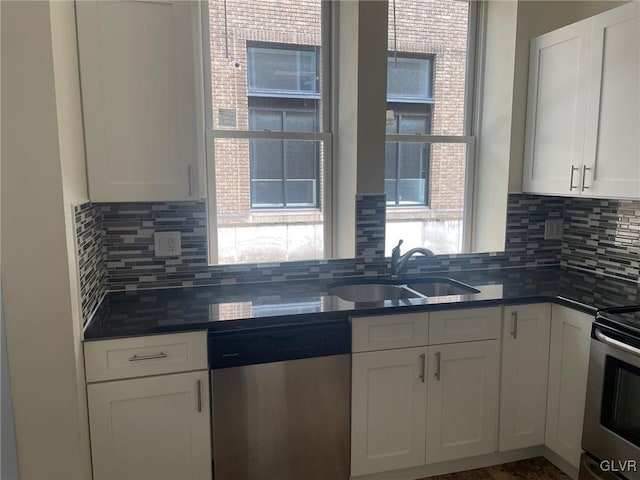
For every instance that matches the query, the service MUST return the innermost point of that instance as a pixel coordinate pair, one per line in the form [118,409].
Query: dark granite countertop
[234,307]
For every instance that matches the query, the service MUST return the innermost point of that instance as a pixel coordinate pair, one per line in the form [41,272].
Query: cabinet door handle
[189,178]
[514,324]
[137,358]
[573,169]
[438,359]
[199,394]
[423,362]
[585,169]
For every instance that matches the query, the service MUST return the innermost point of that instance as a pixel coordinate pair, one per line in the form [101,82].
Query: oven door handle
[617,344]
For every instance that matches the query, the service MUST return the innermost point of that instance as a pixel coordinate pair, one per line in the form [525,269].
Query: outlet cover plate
[553,229]
[167,244]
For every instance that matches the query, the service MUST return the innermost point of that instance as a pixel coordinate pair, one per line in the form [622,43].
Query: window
[267,130]
[283,92]
[406,179]
[428,147]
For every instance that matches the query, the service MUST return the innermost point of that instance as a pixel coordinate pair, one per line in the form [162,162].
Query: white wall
[42,158]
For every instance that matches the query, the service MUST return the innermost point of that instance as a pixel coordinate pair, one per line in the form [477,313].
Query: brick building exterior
[434,29]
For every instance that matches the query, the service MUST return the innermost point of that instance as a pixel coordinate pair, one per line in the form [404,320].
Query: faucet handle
[399,243]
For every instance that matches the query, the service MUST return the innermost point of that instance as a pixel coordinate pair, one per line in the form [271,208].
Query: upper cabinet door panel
[137,63]
[612,154]
[556,109]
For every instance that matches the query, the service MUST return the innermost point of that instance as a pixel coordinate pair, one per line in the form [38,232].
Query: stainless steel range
[611,435]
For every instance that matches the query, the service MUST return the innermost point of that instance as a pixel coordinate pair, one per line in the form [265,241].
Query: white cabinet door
[462,418]
[568,365]
[525,364]
[151,428]
[612,149]
[556,109]
[389,407]
[138,70]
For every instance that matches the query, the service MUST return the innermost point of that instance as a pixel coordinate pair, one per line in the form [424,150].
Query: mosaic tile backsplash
[91,265]
[602,236]
[599,235]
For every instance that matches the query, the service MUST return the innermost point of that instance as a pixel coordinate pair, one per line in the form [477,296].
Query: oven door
[612,413]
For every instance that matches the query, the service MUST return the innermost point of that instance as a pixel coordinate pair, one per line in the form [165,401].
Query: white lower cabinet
[425,404]
[462,391]
[525,365]
[151,428]
[389,409]
[568,366]
[149,413]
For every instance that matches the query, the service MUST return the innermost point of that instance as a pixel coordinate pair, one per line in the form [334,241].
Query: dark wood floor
[538,468]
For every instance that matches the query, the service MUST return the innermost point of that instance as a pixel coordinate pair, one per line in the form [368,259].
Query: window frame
[323,136]
[470,121]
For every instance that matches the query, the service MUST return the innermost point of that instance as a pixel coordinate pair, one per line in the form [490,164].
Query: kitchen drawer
[390,331]
[142,356]
[466,325]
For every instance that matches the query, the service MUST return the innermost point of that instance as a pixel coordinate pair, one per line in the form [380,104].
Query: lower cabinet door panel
[389,407]
[525,368]
[153,428]
[568,369]
[462,418]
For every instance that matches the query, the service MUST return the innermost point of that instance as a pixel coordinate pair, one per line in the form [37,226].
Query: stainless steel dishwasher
[281,402]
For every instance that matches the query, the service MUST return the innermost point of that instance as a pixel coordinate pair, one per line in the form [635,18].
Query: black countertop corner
[235,307]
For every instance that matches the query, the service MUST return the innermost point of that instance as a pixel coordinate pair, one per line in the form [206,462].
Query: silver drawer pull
[423,362]
[438,361]
[573,169]
[514,323]
[585,169]
[137,358]
[199,393]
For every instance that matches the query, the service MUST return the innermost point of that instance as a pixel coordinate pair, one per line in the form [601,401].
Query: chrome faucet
[399,261]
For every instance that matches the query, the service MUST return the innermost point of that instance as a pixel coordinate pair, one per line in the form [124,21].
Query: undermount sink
[371,292]
[438,287]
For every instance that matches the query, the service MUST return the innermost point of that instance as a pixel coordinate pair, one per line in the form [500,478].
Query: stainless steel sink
[375,291]
[371,292]
[438,287]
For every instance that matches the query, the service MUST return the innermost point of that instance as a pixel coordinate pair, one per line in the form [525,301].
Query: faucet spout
[398,261]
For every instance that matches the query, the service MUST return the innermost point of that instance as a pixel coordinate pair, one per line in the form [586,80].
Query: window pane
[266,64]
[435,221]
[266,158]
[300,121]
[301,192]
[301,159]
[265,120]
[412,124]
[409,77]
[282,68]
[432,45]
[267,193]
[263,51]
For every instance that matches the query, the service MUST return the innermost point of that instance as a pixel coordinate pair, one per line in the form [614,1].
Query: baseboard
[561,463]
[461,465]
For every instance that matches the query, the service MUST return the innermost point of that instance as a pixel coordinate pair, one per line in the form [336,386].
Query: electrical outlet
[553,229]
[167,244]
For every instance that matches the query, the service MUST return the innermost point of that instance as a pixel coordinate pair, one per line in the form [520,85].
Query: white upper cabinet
[612,149]
[583,109]
[556,109]
[140,98]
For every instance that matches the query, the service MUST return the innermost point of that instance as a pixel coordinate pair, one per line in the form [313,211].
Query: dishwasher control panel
[281,343]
